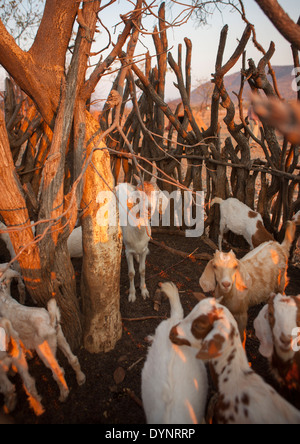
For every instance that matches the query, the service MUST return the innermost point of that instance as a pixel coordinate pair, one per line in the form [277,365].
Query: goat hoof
[64,395]
[11,401]
[145,294]
[132,298]
[81,379]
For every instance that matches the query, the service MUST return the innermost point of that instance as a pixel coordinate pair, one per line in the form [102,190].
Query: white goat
[39,329]
[12,356]
[243,396]
[135,223]
[74,242]
[74,246]
[240,219]
[277,327]
[174,382]
[249,281]
[296,218]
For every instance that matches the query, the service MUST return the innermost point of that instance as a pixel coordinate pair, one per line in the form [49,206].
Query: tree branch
[281,20]
[49,48]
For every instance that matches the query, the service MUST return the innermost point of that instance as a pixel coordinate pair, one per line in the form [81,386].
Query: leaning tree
[60,95]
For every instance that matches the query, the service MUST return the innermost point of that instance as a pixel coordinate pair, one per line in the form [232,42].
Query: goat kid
[174,382]
[40,330]
[14,357]
[274,327]
[249,281]
[136,228]
[240,219]
[243,396]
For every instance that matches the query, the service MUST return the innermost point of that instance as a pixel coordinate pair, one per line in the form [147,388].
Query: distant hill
[232,83]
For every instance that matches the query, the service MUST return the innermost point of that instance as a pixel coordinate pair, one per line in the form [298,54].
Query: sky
[205,40]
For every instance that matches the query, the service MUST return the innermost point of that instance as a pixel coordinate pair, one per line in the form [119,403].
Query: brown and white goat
[278,329]
[249,281]
[240,219]
[243,396]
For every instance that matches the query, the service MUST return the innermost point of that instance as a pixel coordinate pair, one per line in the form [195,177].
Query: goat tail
[216,200]
[171,291]
[54,312]
[289,236]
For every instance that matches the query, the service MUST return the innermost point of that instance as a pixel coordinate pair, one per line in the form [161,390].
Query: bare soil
[112,392]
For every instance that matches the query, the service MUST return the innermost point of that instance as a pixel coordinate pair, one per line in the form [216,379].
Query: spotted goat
[174,382]
[240,219]
[278,329]
[250,281]
[243,397]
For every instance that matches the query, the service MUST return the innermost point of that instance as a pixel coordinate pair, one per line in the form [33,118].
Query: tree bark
[281,20]
[102,246]
[14,212]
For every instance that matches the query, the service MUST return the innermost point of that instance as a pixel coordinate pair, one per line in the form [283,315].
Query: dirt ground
[112,392]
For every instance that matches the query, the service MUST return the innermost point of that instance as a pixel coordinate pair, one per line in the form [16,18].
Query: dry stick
[134,397]
[258,46]
[251,167]
[145,318]
[144,128]
[135,363]
[172,266]
[165,108]
[201,257]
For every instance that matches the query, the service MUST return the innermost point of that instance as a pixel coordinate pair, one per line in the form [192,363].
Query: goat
[243,396]
[40,330]
[249,281]
[296,218]
[296,244]
[74,242]
[274,327]
[174,383]
[240,219]
[13,356]
[136,228]
[74,246]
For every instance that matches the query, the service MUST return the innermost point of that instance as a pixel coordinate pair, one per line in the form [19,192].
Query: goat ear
[211,348]
[208,279]
[264,333]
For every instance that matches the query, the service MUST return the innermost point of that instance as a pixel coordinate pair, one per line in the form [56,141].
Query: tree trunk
[102,248]
[14,212]
[40,72]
